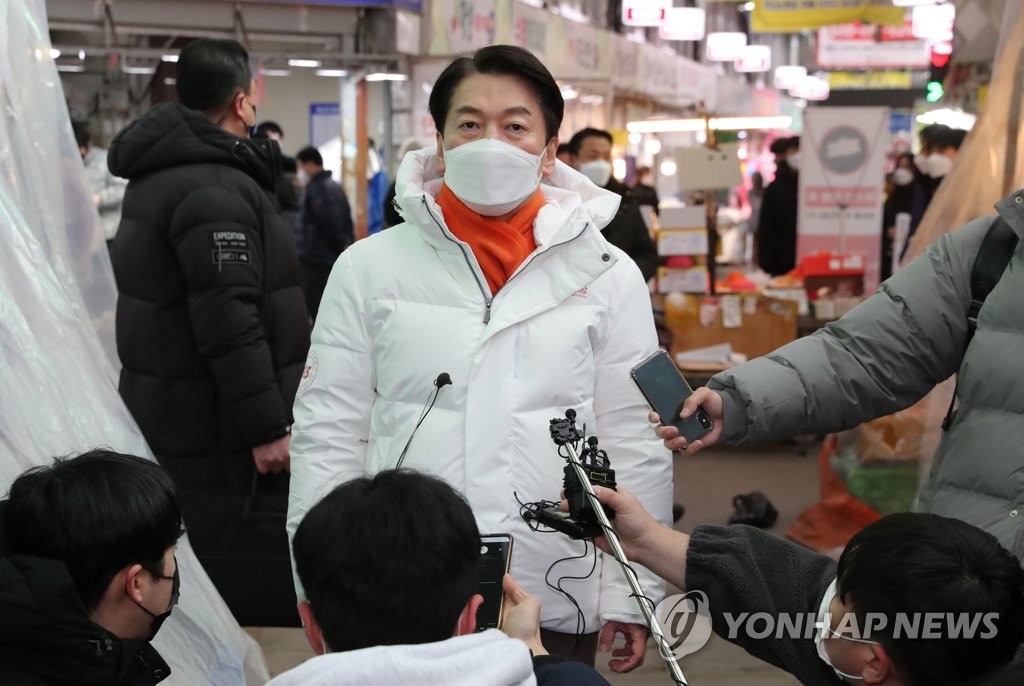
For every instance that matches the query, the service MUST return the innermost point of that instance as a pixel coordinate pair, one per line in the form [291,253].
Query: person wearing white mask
[448,342]
[898,201]
[829,623]
[940,145]
[590,153]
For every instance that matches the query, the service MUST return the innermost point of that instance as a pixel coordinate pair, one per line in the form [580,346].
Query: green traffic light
[935,91]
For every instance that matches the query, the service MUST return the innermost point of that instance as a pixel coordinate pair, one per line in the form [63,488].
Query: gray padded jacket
[889,352]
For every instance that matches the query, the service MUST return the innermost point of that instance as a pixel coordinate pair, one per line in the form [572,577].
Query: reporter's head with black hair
[910,567]
[87,569]
[402,566]
[391,569]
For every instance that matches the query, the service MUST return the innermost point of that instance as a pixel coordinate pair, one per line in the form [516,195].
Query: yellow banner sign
[874,80]
[783,16]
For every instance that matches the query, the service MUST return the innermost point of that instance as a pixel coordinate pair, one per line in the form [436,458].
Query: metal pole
[634,583]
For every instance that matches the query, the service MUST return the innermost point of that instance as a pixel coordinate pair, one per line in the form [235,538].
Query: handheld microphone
[443,379]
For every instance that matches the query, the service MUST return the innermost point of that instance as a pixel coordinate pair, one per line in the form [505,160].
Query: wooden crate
[772,323]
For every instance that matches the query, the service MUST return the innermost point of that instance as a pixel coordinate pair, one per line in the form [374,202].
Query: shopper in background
[87,571]
[326,226]
[591,151]
[869,619]
[211,325]
[899,201]
[289,190]
[888,353]
[644,191]
[107,189]
[940,145]
[496,306]
[756,198]
[371,619]
[776,225]
[563,154]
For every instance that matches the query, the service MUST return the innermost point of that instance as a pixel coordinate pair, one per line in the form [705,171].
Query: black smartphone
[495,558]
[666,390]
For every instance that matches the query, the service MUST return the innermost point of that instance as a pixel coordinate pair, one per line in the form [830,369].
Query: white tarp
[58,394]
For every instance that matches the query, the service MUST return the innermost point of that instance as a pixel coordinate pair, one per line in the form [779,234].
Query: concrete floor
[705,484]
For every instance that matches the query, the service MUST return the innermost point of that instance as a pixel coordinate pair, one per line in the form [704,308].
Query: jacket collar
[1011,209]
[573,201]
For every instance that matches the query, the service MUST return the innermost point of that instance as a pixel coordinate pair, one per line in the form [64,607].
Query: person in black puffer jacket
[212,328]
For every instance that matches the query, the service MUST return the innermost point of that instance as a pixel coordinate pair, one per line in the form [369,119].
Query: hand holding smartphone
[666,390]
[495,559]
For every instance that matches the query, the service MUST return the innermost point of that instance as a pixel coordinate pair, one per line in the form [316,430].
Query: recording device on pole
[588,518]
[443,379]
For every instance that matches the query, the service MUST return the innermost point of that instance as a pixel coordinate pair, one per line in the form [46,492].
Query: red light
[939,60]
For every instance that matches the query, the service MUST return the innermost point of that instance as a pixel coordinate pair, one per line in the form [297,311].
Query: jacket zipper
[462,249]
[522,268]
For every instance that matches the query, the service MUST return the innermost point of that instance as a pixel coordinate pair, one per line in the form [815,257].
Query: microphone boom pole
[634,583]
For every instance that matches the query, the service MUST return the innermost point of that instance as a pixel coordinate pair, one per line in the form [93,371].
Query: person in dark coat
[591,154]
[776,226]
[899,201]
[325,226]
[940,145]
[87,572]
[212,328]
[644,191]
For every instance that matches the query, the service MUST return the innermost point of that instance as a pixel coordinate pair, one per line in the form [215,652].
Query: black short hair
[81,131]
[263,128]
[778,146]
[500,60]
[97,513]
[210,72]
[941,136]
[576,142]
[918,563]
[388,560]
[792,143]
[562,147]
[310,154]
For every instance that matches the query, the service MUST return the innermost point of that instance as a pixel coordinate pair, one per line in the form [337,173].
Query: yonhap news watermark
[685,621]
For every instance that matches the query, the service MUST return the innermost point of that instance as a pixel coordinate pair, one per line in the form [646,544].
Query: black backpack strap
[994,254]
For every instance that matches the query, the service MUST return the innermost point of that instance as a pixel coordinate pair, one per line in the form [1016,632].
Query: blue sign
[901,121]
[324,122]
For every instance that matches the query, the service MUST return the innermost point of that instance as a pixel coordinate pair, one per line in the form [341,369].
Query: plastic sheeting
[58,394]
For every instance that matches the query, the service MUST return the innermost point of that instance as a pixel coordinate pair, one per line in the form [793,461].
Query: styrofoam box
[691,280]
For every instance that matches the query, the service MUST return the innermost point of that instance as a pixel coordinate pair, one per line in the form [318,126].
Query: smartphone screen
[666,390]
[495,557]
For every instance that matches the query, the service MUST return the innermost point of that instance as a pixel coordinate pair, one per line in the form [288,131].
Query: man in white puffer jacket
[522,337]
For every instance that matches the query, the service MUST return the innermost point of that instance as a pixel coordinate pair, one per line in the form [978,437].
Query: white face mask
[303,176]
[921,162]
[598,171]
[492,177]
[825,629]
[794,161]
[939,165]
[902,177]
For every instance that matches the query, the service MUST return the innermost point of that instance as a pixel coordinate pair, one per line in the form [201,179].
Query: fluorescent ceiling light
[138,70]
[54,53]
[331,72]
[74,68]
[591,99]
[311,64]
[386,76]
[724,46]
[716,123]
[683,23]
[788,75]
[569,93]
[276,72]
[169,58]
[914,3]
[170,82]
[957,119]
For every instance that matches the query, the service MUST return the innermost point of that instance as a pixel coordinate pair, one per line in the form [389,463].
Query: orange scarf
[499,246]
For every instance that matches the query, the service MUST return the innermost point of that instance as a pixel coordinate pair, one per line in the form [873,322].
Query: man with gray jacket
[887,354]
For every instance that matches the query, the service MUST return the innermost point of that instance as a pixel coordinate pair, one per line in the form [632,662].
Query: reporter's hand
[712,403]
[634,525]
[521,616]
[632,654]
[273,457]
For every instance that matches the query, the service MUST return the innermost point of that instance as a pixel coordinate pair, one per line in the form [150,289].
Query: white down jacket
[411,302]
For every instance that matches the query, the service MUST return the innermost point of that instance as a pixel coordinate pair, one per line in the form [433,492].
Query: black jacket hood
[171,135]
[46,637]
